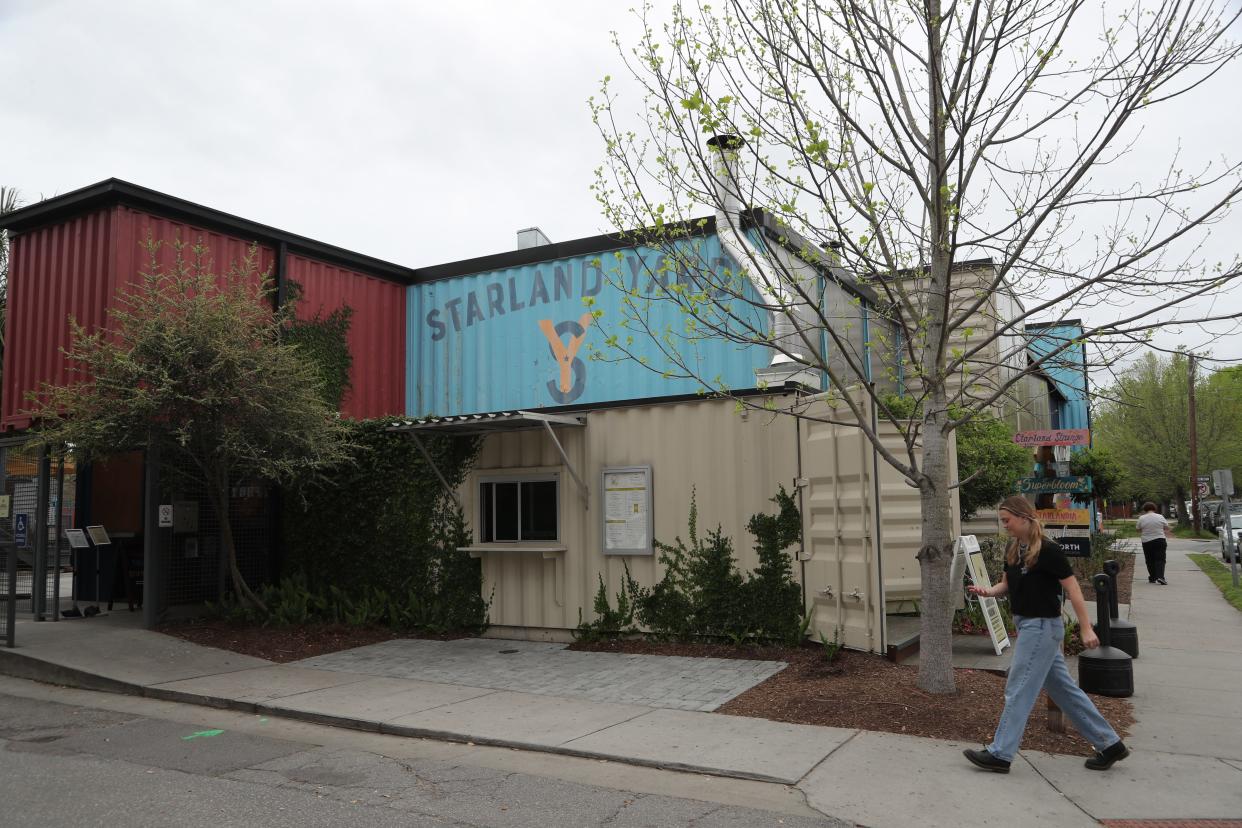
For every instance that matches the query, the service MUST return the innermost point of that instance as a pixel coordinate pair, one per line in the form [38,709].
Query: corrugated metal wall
[54,272]
[75,268]
[132,228]
[856,536]
[376,334]
[733,464]
[488,341]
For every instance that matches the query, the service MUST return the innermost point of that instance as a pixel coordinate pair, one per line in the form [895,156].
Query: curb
[22,666]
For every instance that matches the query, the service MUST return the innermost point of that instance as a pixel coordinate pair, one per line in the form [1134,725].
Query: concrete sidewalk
[1187,761]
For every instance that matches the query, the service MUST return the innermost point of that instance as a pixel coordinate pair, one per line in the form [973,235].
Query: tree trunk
[935,561]
[936,547]
[245,594]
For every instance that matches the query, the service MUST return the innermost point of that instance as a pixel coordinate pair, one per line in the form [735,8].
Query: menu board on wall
[627,510]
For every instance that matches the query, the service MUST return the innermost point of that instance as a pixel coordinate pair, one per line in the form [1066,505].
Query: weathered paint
[1067,369]
[525,337]
[376,331]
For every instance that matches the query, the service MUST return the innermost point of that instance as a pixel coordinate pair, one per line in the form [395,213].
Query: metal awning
[491,423]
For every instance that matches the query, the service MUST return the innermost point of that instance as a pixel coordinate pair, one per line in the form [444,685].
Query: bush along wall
[376,539]
[702,595]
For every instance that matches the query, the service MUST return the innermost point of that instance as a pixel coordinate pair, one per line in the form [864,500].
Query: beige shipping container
[860,517]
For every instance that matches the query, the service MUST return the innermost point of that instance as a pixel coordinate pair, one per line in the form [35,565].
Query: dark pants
[1153,556]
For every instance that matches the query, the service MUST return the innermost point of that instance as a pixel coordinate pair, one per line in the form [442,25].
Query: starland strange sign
[1054,437]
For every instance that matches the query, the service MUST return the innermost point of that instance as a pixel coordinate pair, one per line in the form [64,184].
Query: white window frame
[518,477]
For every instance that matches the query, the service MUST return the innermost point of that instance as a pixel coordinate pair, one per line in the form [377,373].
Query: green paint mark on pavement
[203,733]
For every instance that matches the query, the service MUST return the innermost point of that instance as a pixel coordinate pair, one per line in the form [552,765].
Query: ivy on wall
[375,539]
[323,340]
[381,524]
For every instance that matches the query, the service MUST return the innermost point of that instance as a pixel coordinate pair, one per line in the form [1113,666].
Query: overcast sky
[416,132]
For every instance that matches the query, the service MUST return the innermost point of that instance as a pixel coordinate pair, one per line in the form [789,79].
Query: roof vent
[531,237]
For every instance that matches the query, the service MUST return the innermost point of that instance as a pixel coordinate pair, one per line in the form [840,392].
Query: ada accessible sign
[991,612]
[1053,485]
[1054,437]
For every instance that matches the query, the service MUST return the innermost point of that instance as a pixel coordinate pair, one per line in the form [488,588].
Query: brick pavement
[549,669]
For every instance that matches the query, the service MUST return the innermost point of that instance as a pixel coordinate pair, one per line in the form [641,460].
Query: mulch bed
[279,644]
[865,691]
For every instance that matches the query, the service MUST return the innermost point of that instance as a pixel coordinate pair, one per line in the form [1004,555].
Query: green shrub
[703,595]
[610,623]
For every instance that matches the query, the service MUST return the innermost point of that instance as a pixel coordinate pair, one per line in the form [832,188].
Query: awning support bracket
[586,493]
[427,456]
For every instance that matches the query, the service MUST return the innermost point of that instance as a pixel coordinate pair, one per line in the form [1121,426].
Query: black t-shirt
[1036,593]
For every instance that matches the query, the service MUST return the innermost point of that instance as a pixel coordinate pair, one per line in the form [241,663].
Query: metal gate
[34,502]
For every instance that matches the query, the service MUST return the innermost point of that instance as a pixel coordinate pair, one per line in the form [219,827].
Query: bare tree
[958,168]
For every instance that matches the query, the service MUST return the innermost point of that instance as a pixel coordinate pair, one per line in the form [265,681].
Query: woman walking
[1036,573]
[1153,529]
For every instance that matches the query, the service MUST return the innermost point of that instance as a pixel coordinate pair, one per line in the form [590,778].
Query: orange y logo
[572,370]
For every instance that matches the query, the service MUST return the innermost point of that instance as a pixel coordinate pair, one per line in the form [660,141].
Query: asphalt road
[72,757]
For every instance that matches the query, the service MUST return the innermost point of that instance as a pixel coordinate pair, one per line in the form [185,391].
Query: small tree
[881,148]
[192,366]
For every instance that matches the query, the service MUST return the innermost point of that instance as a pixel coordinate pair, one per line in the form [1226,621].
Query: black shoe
[984,759]
[1151,580]
[1162,582]
[1103,760]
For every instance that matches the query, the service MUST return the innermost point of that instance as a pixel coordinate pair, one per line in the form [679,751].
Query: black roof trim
[115,191]
[1056,324]
[551,252]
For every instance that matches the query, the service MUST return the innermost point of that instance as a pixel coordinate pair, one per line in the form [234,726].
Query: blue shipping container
[526,337]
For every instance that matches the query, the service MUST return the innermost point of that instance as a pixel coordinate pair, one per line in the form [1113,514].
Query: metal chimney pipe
[724,149]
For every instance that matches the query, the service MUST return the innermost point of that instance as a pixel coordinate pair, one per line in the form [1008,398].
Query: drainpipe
[763,276]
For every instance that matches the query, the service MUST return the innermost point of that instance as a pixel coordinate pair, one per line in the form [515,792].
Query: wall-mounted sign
[1054,437]
[1053,485]
[166,515]
[991,613]
[21,529]
[627,511]
[1064,517]
[6,503]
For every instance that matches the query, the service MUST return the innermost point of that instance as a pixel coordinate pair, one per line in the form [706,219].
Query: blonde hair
[1019,506]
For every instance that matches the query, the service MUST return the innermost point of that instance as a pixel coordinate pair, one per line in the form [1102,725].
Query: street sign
[1074,546]
[1054,437]
[1222,482]
[21,525]
[1202,482]
[1053,485]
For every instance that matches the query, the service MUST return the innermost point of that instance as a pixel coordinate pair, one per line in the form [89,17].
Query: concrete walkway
[1187,761]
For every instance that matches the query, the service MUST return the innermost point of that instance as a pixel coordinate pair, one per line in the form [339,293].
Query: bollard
[1123,634]
[1105,669]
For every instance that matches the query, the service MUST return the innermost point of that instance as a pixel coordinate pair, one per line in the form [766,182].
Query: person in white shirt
[1153,529]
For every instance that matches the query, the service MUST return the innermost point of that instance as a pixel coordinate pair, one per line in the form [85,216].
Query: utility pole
[1194,454]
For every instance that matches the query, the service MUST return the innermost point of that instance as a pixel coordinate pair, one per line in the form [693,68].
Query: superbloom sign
[1054,437]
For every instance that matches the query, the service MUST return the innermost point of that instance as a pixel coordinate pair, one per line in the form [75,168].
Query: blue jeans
[1038,663]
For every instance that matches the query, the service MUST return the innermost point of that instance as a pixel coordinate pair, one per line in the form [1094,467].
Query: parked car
[1235,520]
[1210,513]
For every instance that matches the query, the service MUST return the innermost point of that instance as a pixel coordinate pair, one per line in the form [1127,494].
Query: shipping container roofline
[790,387]
[114,191]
